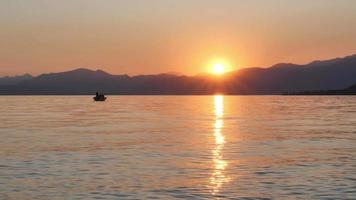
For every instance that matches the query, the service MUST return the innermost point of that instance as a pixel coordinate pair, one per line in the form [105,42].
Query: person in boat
[99,97]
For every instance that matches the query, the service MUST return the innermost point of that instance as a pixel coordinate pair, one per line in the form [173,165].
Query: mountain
[281,78]
[347,91]
[85,81]
[318,75]
[11,80]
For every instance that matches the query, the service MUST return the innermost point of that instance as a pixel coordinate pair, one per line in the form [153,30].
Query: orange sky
[153,36]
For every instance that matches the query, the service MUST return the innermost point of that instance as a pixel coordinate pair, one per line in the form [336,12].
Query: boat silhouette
[99,97]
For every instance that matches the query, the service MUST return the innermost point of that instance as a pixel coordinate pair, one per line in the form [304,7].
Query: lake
[178,147]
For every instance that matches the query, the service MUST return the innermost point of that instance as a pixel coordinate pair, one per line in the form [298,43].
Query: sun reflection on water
[218,178]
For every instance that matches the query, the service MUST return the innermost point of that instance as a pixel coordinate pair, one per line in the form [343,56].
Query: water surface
[178,147]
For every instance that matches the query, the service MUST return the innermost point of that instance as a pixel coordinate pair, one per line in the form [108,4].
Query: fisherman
[99,97]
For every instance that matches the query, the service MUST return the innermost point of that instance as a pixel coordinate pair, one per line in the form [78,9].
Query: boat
[99,97]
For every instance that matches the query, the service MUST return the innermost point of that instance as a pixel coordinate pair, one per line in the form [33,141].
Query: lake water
[178,147]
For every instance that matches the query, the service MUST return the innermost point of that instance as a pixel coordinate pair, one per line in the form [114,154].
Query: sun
[219,68]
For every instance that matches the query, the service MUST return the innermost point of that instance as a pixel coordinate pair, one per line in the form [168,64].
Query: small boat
[99,97]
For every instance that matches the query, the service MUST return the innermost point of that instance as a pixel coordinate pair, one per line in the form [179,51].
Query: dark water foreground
[178,147]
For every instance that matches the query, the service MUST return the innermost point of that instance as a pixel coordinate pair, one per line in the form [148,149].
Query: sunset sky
[185,36]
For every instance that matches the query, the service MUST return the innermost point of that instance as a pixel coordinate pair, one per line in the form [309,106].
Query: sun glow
[219,67]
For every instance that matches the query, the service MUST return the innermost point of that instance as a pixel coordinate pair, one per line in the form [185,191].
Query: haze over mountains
[332,74]
[7,80]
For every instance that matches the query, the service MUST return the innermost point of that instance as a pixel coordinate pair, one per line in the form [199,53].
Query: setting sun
[218,68]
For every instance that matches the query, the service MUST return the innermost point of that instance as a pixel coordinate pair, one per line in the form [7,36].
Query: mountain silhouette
[11,80]
[334,74]
[347,91]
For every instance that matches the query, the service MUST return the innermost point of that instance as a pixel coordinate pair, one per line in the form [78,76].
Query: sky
[182,36]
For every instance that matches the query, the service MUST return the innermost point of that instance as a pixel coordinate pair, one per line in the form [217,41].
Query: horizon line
[174,73]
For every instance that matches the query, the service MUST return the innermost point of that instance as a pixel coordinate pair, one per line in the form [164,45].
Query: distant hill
[318,75]
[332,74]
[347,91]
[12,80]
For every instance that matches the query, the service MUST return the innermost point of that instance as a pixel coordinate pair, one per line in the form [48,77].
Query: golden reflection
[219,106]
[218,178]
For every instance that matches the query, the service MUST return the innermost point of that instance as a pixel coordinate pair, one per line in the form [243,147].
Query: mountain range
[347,91]
[8,80]
[334,74]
